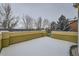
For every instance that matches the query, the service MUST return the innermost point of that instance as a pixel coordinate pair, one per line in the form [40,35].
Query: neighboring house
[74,25]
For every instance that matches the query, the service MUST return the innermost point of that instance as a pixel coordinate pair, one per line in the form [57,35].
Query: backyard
[38,29]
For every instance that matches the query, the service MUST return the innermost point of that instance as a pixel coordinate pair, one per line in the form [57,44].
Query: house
[74,25]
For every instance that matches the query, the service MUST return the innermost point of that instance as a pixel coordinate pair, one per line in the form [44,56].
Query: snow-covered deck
[44,46]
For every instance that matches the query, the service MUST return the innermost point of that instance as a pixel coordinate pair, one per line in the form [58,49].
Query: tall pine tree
[63,24]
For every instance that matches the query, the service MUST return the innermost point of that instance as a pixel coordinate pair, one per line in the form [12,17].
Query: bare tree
[28,22]
[7,20]
[45,23]
[39,23]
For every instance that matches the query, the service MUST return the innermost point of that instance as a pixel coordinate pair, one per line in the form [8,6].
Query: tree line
[9,21]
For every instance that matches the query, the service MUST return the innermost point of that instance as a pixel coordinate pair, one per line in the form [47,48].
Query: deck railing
[8,38]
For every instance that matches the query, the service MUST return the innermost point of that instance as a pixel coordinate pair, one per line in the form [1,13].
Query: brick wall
[74,25]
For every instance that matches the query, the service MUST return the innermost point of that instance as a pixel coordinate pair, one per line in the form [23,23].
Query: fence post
[0,41]
[5,39]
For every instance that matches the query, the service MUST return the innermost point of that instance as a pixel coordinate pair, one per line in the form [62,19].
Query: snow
[44,46]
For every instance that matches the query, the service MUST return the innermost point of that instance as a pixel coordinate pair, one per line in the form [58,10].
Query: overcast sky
[49,11]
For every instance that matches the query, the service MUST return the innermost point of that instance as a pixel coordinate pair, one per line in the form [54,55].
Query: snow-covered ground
[44,46]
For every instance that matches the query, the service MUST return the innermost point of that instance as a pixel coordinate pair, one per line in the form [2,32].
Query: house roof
[72,21]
